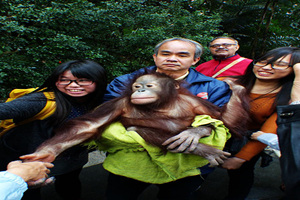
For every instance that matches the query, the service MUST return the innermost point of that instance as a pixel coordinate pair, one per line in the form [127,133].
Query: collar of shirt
[183,76]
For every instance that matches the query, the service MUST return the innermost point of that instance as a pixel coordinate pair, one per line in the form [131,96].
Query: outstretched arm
[77,131]
[29,171]
[13,180]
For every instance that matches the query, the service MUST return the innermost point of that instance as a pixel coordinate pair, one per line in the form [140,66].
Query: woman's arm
[295,94]
[269,139]
[23,108]
[253,147]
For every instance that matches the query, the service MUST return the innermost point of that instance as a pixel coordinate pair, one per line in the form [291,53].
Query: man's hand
[233,163]
[29,171]
[187,140]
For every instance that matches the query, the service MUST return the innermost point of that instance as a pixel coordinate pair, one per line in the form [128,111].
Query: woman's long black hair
[283,97]
[80,69]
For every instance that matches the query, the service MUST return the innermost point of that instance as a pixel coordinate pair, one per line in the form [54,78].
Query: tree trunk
[255,41]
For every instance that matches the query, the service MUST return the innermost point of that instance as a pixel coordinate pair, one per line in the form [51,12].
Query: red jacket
[211,67]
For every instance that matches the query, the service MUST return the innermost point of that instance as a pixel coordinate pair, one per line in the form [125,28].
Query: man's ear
[154,57]
[196,60]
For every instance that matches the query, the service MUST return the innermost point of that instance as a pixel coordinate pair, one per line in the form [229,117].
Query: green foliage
[36,35]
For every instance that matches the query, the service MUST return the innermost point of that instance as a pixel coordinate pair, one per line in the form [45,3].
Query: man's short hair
[198,46]
[223,37]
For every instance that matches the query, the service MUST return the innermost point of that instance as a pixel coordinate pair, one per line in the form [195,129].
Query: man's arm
[213,90]
[116,87]
[13,180]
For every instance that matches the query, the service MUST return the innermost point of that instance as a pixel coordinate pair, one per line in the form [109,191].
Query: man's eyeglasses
[80,82]
[223,45]
[276,65]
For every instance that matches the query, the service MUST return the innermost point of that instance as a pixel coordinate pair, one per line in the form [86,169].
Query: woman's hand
[255,135]
[295,94]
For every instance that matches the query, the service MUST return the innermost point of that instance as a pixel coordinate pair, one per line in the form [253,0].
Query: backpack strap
[48,110]
[228,66]
[16,93]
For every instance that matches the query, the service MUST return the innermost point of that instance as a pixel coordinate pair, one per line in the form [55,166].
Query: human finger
[48,165]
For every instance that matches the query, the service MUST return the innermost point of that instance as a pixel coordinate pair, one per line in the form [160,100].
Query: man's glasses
[80,82]
[276,65]
[223,45]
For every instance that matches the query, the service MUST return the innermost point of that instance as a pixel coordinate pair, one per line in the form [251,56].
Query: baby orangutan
[154,106]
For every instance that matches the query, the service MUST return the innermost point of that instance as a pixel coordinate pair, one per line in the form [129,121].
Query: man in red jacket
[226,61]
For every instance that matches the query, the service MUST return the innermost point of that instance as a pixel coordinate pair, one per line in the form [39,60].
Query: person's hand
[30,171]
[295,94]
[233,163]
[255,135]
[41,182]
[187,140]
[296,68]
[45,156]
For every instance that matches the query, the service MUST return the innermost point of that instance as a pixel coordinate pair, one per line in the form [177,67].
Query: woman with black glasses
[74,88]
[268,81]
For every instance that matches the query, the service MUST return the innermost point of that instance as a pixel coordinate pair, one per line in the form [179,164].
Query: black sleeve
[23,108]
[288,122]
